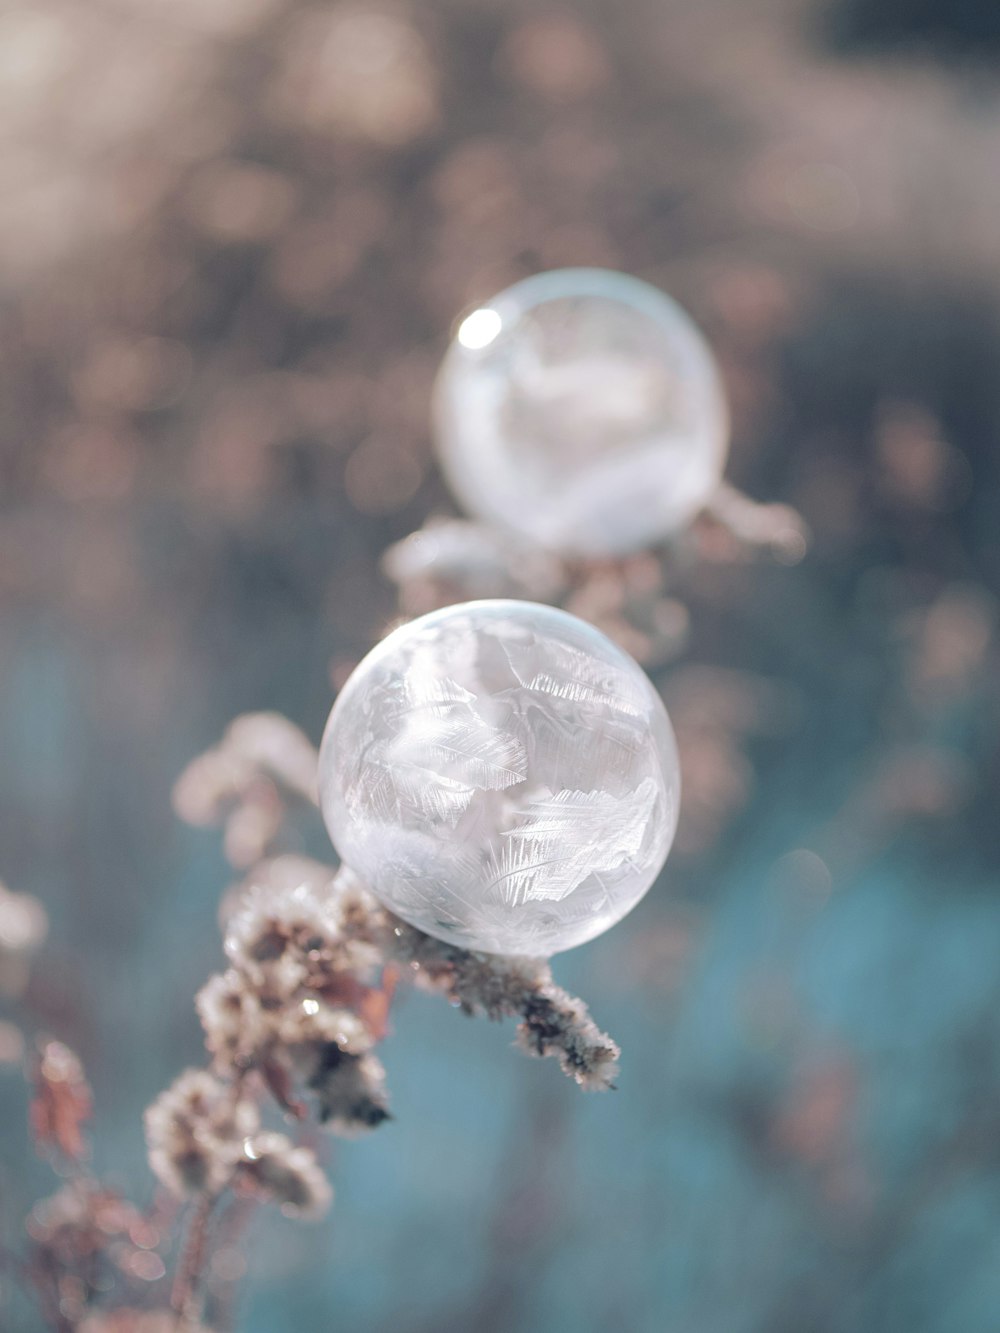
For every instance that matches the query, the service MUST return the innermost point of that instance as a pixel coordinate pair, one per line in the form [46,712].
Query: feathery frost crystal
[583,410]
[502,776]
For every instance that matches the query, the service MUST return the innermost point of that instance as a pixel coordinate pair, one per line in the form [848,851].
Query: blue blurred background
[234,235]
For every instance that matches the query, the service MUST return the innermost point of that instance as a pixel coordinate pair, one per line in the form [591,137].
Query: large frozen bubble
[582,410]
[502,776]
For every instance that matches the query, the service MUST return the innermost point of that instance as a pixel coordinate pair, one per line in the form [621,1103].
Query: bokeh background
[234,236]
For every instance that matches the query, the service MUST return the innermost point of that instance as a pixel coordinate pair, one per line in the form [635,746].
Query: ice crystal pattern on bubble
[503,776]
[568,837]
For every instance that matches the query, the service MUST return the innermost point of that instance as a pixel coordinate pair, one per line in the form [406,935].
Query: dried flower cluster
[313,962]
[62,1103]
[313,957]
[262,765]
[297,1009]
[631,598]
[85,1239]
[204,1136]
[196,1132]
[92,1259]
[297,1005]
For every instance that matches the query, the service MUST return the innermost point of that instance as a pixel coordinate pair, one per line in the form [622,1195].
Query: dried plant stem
[230,1230]
[186,1297]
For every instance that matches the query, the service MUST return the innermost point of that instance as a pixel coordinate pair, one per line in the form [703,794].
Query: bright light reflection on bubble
[479,329]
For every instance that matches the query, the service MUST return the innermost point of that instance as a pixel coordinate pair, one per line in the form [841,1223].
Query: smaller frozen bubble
[583,410]
[502,776]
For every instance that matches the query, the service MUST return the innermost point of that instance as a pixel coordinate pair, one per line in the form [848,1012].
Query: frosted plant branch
[263,767]
[775,529]
[552,1022]
[313,962]
[314,959]
[314,956]
[632,598]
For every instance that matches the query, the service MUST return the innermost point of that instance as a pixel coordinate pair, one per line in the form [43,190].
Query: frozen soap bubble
[582,410]
[502,776]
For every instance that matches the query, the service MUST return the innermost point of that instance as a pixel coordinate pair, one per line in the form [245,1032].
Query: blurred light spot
[222,18]
[817,195]
[823,196]
[790,547]
[920,468]
[74,1295]
[146,1266]
[11,1044]
[755,301]
[381,476]
[477,185]
[240,201]
[816,1118]
[953,643]
[102,578]
[143,1234]
[802,878]
[91,463]
[130,373]
[34,49]
[228,1265]
[23,923]
[479,329]
[919,782]
[557,57]
[362,72]
[315,255]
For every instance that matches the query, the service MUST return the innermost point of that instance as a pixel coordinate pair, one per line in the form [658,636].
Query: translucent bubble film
[502,776]
[582,409]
